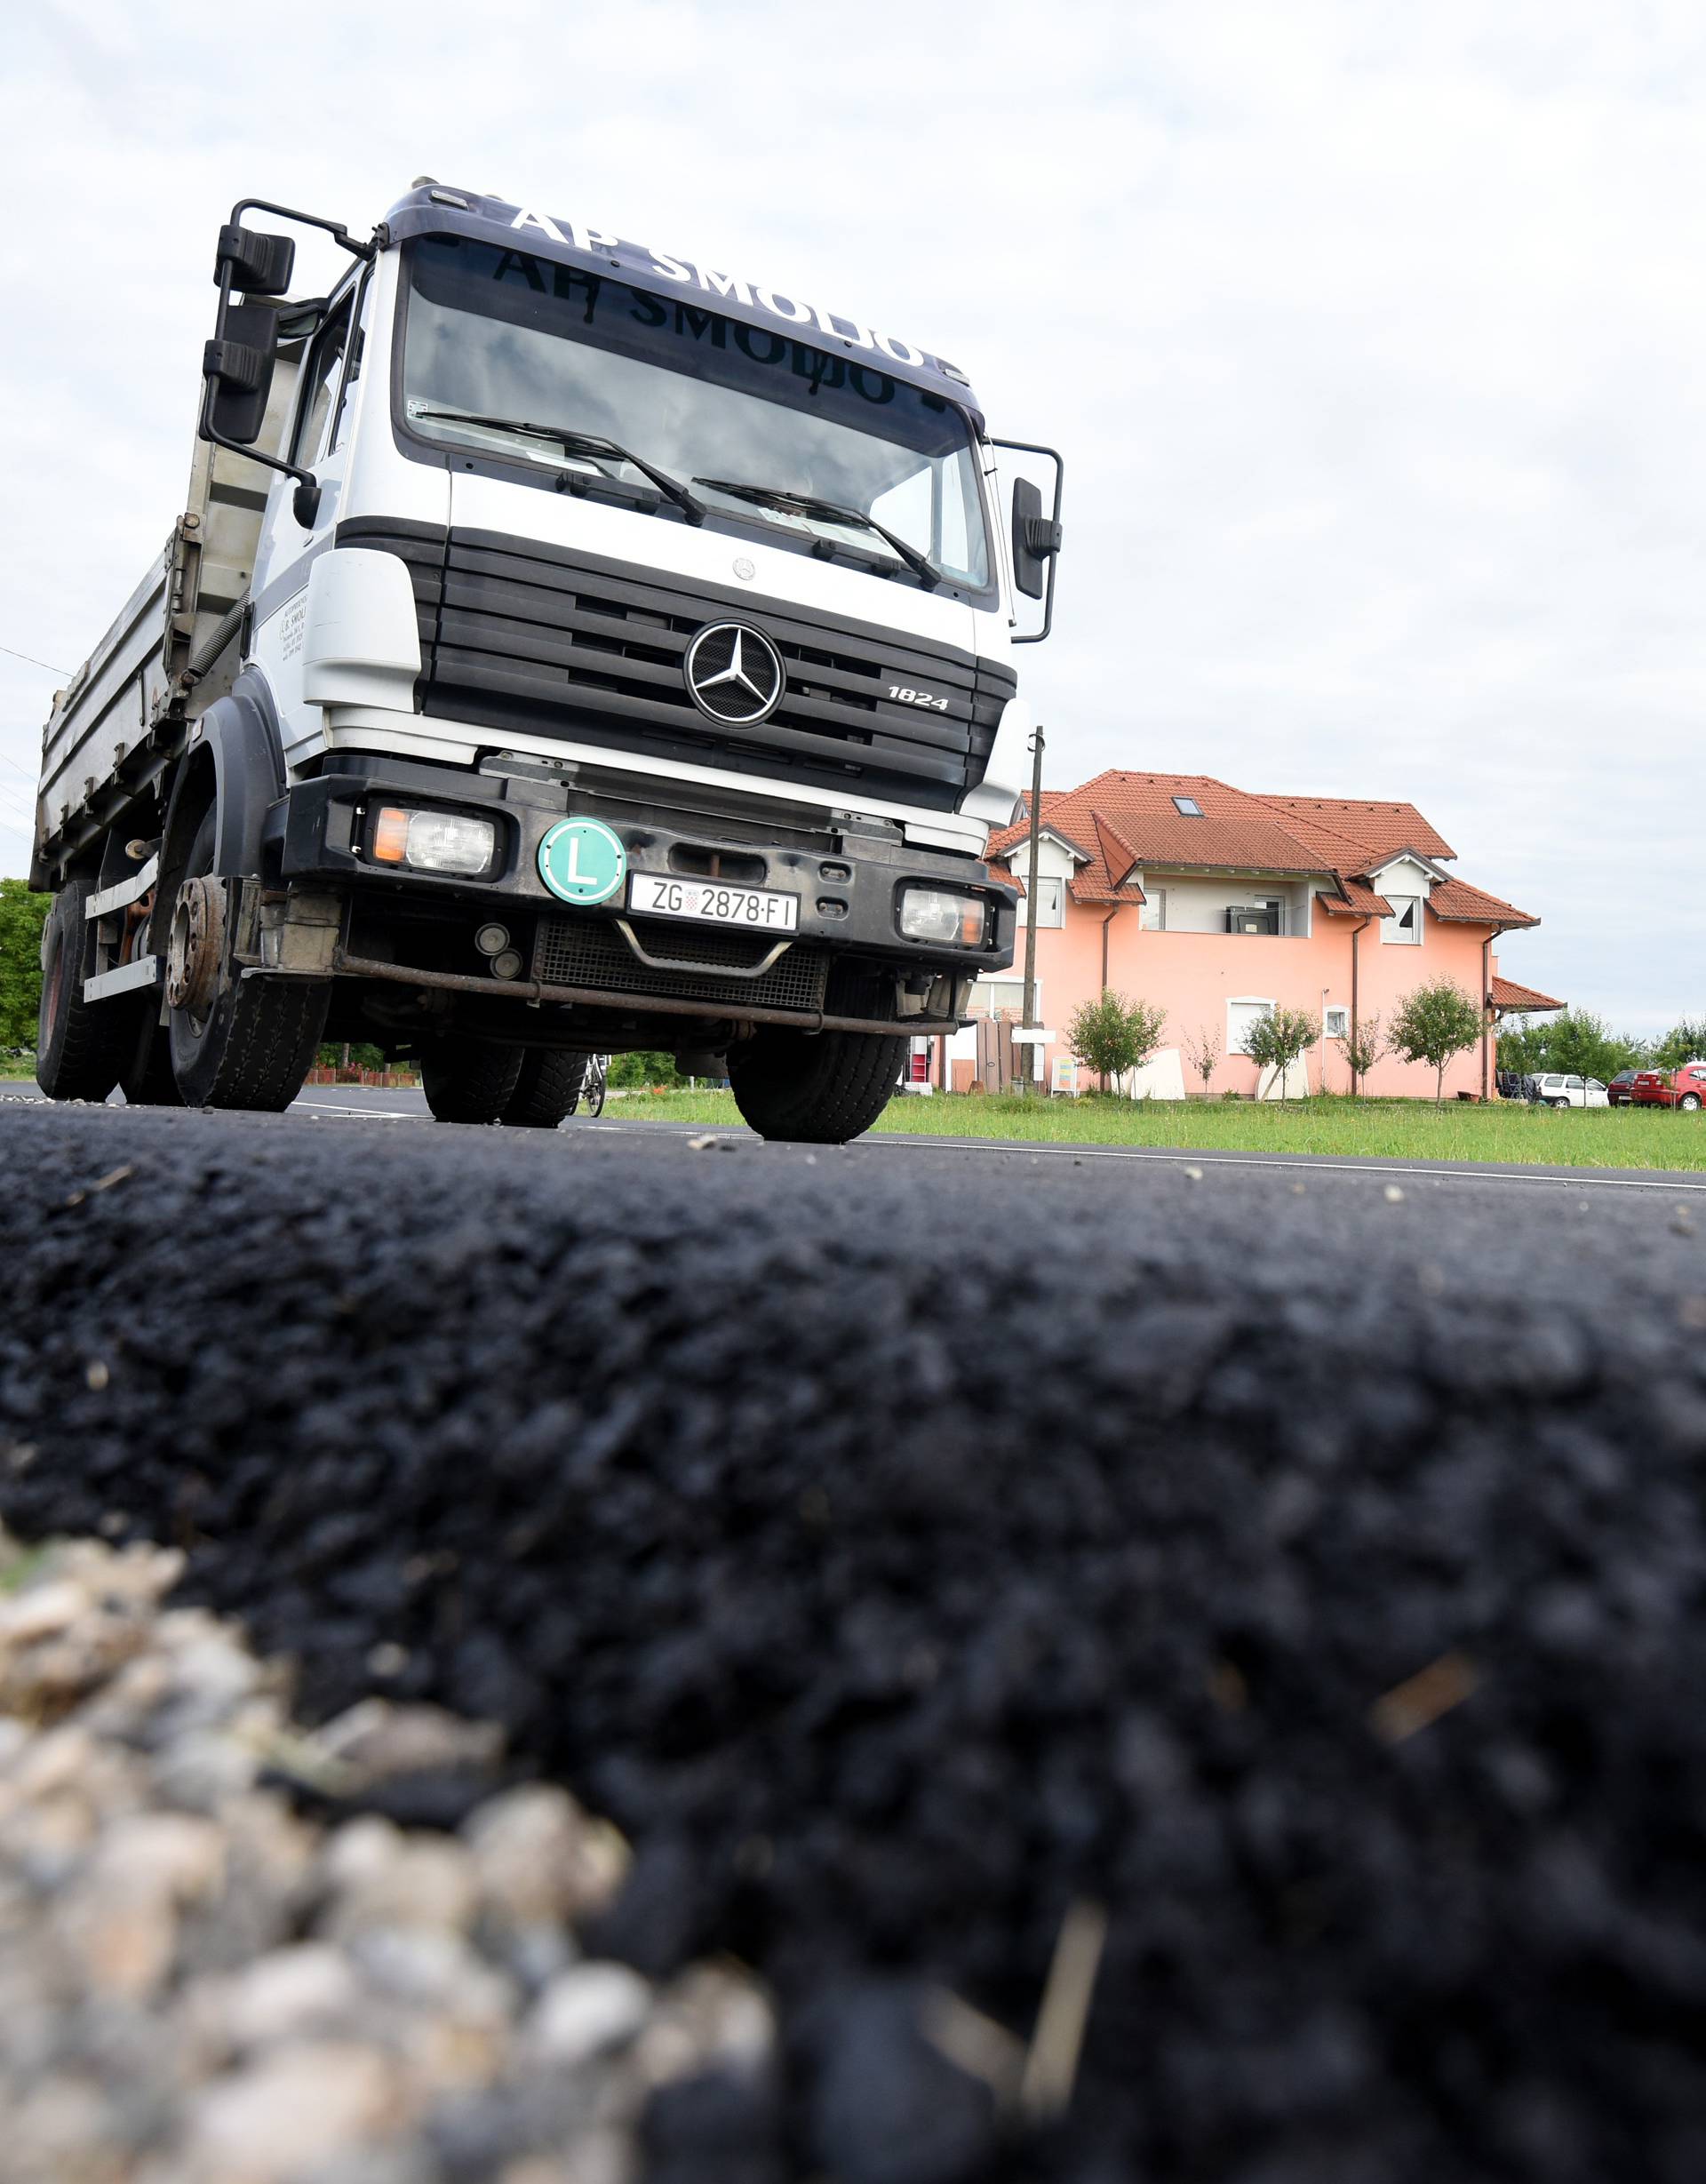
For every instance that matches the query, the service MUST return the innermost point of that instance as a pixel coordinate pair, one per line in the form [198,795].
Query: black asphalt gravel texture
[907,1549]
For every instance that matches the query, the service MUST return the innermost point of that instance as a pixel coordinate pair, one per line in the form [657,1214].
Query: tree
[1202,1052]
[1577,1042]
[1436,1021]
[1114,1034]
[1274,1041]
[1363,1047]
[1683,1042]
[22,916]
[1580,1044]
[1522,1046]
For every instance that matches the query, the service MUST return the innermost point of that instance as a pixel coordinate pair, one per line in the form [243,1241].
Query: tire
[81,1047]
[592,1097]
[146,1080]
[469,1079]
[1689,1101]
[548,1088]
[257,1041]
[1560,1103]
[819,1089]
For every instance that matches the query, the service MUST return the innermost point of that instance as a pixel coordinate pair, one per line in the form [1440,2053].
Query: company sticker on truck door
[581,861]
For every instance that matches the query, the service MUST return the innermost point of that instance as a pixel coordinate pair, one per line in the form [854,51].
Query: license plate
[713,902]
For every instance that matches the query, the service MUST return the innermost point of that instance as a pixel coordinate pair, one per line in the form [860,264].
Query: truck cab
[624,658]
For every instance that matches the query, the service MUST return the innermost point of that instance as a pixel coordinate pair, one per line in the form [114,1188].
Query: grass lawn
[1390,1129]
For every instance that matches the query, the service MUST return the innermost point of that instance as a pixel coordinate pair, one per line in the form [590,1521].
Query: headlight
[434,841]
[943,915]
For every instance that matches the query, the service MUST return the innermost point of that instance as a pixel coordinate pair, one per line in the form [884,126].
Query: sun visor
[538,234]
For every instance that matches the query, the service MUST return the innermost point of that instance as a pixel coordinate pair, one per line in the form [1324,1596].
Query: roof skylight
[1188,806]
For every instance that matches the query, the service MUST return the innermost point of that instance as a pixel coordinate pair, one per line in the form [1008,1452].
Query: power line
[33,662]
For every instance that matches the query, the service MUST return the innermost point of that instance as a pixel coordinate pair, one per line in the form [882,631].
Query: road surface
[1304,1565]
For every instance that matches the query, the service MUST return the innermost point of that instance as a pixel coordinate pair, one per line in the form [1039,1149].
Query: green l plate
[581,861]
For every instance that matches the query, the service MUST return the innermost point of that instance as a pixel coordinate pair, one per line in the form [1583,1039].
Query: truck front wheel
[82,1047]
[234,1041]
[817,1089]
[548,1088]
[469,1079]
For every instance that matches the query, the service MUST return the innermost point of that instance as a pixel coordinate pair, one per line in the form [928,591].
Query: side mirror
[260,265]
[237,365]
[1036,540]
[1035,535]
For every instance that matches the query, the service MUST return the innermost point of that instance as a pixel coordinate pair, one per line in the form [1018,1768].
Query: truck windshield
[497,334]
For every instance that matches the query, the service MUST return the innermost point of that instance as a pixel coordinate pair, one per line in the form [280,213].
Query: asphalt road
[401,1105]
[1303,1563]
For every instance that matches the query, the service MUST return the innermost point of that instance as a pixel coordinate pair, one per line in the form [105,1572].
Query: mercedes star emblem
[735,674]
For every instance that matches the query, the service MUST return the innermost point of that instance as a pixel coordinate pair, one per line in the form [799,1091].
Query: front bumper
[846,872]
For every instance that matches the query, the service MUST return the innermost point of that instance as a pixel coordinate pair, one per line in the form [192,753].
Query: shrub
[1114,1034]
[1275,1041]
[1436,1021]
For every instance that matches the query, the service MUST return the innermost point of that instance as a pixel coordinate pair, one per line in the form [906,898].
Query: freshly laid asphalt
[407,1104]
[921,1551]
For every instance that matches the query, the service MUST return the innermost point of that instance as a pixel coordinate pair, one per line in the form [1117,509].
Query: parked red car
[1684,1088]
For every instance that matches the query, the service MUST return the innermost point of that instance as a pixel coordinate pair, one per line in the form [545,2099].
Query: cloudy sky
[1372,336]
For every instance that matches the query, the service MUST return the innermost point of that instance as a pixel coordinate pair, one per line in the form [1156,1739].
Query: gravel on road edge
[1308,1584]
[201,1983]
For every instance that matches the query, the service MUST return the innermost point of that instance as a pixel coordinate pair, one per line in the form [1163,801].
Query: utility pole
[1031,1023]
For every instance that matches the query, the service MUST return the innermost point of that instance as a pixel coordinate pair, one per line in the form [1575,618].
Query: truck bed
[170,650]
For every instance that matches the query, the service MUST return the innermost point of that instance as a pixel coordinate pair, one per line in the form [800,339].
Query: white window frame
[984,986]
[1336,1021]
[1046,922]
[1152,917]
[1390,930]
[1244,1000]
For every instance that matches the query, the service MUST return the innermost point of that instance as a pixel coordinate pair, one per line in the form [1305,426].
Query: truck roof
[437,209]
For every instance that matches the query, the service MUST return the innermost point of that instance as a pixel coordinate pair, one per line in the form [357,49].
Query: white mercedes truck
[567,648]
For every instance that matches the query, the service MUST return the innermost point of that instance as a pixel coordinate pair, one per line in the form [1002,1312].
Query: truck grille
[522,637]
[589,952]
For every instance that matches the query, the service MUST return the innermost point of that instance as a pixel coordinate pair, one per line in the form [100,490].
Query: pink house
[1219,906]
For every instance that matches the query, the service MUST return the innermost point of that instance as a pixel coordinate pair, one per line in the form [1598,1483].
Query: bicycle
[590,1099]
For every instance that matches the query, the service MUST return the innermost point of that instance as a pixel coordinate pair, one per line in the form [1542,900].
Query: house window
[1052,902]
[1405,924]
[1153,918]
[1187,807]
[1336,1024]
[994,997]
[1240,1016]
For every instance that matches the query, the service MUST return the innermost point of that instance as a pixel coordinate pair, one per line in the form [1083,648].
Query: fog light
[434,840]
[508,965]
[943,915]
[491,939]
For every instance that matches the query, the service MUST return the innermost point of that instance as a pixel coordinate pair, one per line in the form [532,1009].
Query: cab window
[320,386]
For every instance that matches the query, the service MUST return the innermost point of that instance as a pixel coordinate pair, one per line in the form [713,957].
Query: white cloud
[1370,335]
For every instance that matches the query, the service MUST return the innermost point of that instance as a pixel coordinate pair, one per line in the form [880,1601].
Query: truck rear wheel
[548,1088]
[815,1088]
[234,1041]
[81,1047]
[469,1079]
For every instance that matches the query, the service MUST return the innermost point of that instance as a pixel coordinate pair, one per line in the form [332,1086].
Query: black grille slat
[519,635]
[589,952]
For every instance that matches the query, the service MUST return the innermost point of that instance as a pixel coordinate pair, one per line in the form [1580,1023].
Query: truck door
[319,442]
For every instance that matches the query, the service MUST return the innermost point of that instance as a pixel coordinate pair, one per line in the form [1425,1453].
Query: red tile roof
[1358,901]
[1508,994]
[1382,829]
[1120,820]
[1457,901]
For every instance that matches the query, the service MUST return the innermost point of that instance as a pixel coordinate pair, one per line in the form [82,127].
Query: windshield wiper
[829,512]
[590,444]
